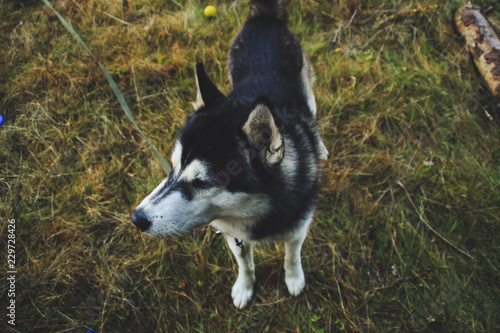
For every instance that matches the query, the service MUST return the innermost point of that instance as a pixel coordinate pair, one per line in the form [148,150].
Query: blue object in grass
[1,120]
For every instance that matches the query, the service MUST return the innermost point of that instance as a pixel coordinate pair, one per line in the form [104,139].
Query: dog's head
[223,165]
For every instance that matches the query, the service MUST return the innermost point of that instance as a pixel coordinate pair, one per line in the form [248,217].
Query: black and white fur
[248,164]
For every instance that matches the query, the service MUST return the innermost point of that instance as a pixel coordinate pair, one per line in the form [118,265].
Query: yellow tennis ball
[210,11]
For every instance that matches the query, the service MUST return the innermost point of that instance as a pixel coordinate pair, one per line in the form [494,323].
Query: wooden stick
[482,43]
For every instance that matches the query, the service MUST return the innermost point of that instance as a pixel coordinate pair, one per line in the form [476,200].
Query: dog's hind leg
[307,78]
[294,274]
[243,287]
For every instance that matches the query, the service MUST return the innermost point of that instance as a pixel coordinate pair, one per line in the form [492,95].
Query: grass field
[406,232]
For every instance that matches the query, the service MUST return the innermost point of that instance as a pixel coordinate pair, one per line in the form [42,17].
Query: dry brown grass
[400,107]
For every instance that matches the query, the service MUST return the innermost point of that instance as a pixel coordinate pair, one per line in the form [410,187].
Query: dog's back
[266,58]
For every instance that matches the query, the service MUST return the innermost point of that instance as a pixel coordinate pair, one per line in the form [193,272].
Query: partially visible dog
[248,163]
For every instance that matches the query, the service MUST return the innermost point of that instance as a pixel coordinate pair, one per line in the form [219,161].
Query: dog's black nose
[140,220]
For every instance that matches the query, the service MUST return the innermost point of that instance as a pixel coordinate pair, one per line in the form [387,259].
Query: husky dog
[248,163]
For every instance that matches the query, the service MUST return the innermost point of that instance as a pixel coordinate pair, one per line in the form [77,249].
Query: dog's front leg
[294,275]
[243,288]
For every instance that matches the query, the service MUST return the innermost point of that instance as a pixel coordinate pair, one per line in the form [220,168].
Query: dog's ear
[263,132]
[208,95]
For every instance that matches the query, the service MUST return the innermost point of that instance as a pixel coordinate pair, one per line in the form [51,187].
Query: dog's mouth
[141,221]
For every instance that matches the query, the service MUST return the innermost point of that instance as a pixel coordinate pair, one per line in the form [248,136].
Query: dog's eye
[200,183]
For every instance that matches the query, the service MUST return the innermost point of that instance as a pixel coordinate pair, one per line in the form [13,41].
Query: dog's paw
[295,283]
[243,291]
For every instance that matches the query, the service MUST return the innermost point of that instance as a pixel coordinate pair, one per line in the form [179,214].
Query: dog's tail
[274,8]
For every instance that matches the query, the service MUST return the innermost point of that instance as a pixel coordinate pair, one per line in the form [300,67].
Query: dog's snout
[140,220]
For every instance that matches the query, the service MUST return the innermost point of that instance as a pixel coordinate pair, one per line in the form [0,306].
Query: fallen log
[483,44]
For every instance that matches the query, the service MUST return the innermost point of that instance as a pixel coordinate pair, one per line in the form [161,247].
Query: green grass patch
[401,110]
